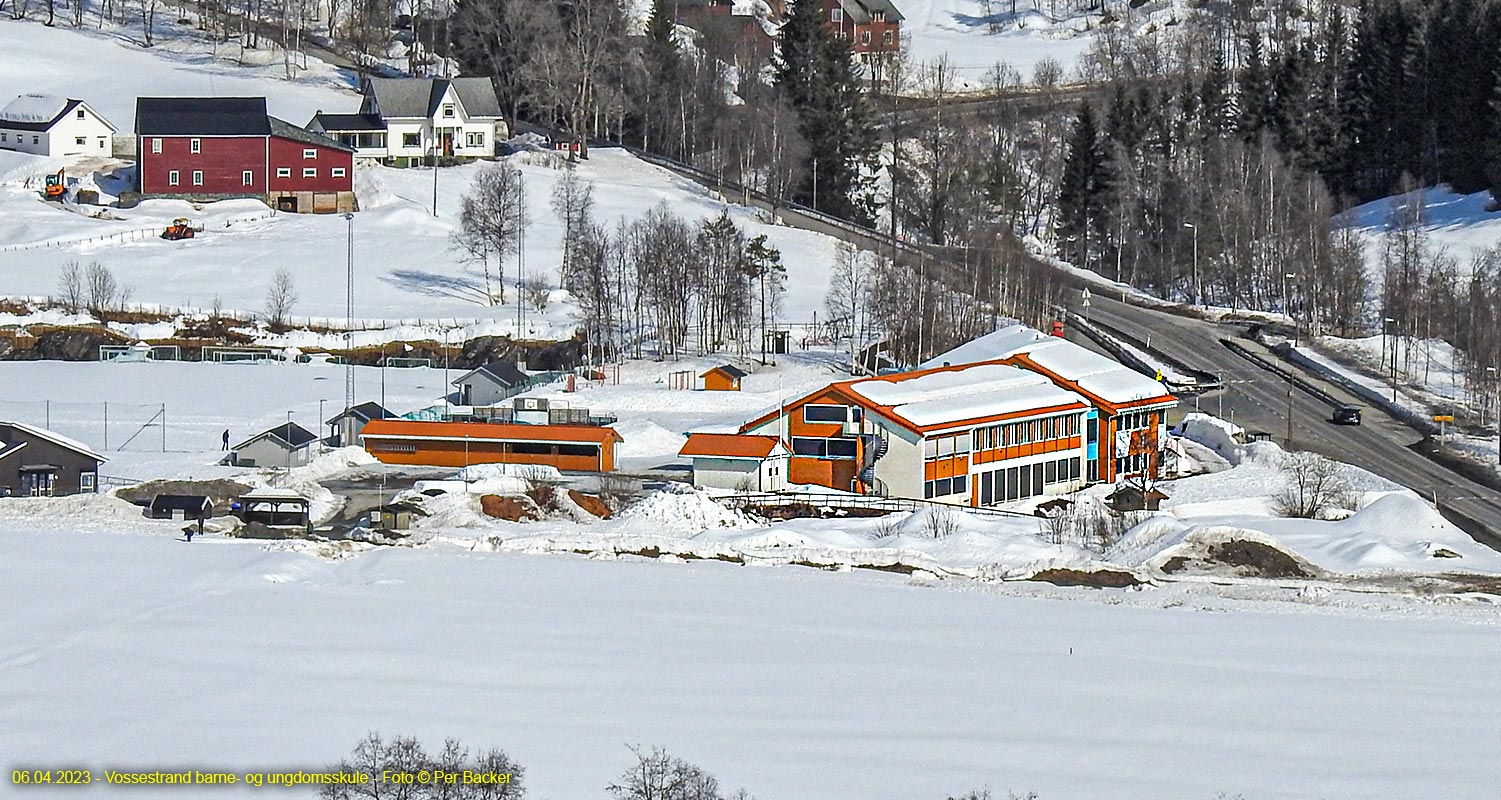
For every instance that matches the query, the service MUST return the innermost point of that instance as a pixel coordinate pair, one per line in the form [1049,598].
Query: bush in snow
[1315,486]
[404,756]
[659,776]
[940,524]
[281,296]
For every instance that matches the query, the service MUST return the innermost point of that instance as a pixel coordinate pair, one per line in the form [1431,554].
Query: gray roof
[503,372]
[202,116]
[420,97]
[347,122]
[282,129]
[290,434]
[861,11]
[364,412]
[730,370]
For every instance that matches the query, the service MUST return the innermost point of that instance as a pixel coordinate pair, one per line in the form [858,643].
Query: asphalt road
[1258,401]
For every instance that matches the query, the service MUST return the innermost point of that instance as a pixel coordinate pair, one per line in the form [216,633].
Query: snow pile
[681,509]
[33,108]
[647,439]
[1219,435]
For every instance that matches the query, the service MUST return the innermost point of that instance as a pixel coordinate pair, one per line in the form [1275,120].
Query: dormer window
[448,110]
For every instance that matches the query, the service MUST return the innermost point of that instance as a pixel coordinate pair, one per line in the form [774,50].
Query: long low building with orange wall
[977,434]
[577,448]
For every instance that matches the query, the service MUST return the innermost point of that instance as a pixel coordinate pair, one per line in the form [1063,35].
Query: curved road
[1258,401]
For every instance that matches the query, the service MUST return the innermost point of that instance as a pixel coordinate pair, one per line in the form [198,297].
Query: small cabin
[1135,498]
[180,507]
[723,378]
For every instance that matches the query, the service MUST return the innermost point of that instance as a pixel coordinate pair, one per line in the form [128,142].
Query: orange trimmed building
[576,448]
[723,378]
[1126,430]
[976,435]
[733,461]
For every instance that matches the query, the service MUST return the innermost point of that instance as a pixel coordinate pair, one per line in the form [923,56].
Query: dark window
[812,413]
[943,487]
[1036,479]
[842,448]
[1094,470]
[1093,432]
[1073,469]
[927,490]
[1050,472]
[530,448]
[1026,482]
[857,414]
[578,450]
[961,484]
[804,446]
[985,495]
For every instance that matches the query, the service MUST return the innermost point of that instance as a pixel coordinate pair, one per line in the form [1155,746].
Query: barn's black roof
[202,116]
[348,122]
[180,502]
[286,130]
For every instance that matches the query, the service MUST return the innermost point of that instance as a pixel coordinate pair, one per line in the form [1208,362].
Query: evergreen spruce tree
[1077,186]
[1254,95]
[1215,102]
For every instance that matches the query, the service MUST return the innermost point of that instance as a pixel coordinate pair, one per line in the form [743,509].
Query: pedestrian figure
[189,532]
[226,438]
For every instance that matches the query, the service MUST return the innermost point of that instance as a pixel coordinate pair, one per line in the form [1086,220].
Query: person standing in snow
[226,438]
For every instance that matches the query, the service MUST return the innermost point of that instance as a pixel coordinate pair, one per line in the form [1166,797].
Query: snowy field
[140,650]
[1460,225]
[961,30]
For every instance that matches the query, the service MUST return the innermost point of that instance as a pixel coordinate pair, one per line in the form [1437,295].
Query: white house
[742,463]
[47,125]
[405,120]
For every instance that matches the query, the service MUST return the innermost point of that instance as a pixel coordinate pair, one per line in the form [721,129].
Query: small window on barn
[156,145]
[197,177]
[337,172]
[247,178]
[195,145]
[172,179]
[79,140]
[283,172]
[309,172]
[310,152]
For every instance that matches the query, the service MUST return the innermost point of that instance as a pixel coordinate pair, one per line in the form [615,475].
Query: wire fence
[120,236]
[109,427]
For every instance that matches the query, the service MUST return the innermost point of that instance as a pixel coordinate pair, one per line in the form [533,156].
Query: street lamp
[1195,229]
[349,316]
[1287,304]
[1491,371]
[1384,322]
[321,439]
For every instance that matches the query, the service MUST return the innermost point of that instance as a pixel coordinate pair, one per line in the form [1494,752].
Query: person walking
[225,437]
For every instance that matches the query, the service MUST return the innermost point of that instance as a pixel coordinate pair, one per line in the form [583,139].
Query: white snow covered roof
[33,108]
[55,438]
[934,399]
[1095,374]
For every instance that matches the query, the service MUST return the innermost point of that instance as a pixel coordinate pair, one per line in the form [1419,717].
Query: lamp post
[290,447]
[321,439]
[1384,322]
[1195,229]
[349,315]
[434,150]
[1287,304]
[1491,371]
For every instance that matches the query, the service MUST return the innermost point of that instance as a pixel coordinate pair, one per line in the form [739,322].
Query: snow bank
[681,509]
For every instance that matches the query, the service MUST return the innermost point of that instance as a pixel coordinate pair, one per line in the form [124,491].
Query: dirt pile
[513,509]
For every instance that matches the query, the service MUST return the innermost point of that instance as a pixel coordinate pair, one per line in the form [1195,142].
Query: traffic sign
[1444,418]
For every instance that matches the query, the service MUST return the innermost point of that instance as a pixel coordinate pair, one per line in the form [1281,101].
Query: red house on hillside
[874,27]
[213,148]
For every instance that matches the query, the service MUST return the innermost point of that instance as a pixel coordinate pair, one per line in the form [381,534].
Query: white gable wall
[62,139]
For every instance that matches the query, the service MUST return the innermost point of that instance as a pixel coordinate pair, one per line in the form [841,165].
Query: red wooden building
[213,148]
[874,27]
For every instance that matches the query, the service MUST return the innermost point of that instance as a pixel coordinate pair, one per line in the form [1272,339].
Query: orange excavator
[56,186]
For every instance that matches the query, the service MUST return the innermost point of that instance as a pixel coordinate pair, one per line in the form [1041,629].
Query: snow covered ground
[1461,225]
[135,649]
[961,30]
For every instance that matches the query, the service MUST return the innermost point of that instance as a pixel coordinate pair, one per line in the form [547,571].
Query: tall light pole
[434,149]
[1195,229]
[321,439]
[349,316]
[1384,322]
[1491,373]
[1287,304]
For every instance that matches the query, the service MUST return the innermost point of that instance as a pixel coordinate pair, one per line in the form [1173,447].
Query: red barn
[213,148]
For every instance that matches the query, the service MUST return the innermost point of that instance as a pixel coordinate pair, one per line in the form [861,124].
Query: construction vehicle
[180,228]
[56,186]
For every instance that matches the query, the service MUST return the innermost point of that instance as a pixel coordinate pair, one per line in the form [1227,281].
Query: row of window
[1134,421]
[386,446]
[944,487]
[21,139]
[1019,483]
[195,146]
[247,177]
[824,448]
[471,139]
[1037,430]
[954,444]
[1129,464]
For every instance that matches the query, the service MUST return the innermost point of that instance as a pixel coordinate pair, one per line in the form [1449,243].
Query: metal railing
[855,502]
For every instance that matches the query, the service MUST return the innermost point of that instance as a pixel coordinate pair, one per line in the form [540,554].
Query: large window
[824,448]
[474,139]
[826,414]
[411,140]
[945,487]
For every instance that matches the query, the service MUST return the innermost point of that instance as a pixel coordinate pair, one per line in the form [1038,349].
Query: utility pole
[349,316]
[1289,414]
[1197,290]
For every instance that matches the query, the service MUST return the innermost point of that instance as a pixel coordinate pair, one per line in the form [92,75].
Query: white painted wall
[62,138]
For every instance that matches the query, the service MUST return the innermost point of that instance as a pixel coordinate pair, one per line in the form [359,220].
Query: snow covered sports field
[139,650]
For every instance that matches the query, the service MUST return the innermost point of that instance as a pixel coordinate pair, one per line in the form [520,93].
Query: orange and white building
[740,463]
[973,434]
[1126,430]
[577,448]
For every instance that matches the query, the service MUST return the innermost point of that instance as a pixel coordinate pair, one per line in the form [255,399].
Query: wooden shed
[723,378]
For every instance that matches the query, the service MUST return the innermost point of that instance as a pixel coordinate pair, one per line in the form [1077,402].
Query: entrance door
[38,484]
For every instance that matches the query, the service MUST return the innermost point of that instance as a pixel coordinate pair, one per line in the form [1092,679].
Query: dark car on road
[1345,415]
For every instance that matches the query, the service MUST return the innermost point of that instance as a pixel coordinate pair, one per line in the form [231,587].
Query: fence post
[164,427]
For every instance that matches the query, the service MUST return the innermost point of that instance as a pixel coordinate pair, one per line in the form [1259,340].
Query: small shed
[180,506]
[739,462]
[286,445]
[491,383]
[723,378]
[273,508]
[345,427]
[1135,498]
[393,517]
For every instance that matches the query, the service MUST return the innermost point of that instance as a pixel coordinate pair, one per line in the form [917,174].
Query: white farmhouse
[403,121]
[47,125]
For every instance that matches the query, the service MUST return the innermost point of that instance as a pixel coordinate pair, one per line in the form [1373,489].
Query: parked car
[1345,415]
